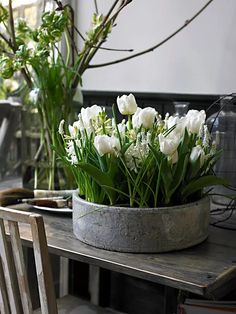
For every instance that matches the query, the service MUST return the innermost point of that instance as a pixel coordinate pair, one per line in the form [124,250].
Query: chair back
[14,294]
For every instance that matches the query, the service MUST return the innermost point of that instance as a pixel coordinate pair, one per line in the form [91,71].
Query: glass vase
[222,126]
[181,108]
[41,166]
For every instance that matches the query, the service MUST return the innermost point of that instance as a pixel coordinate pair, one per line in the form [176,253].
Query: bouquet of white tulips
[144,160]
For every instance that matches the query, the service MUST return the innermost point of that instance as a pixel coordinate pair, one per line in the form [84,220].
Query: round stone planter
[141,230]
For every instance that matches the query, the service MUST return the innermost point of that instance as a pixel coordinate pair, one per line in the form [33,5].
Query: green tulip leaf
[200,183]
[101,178]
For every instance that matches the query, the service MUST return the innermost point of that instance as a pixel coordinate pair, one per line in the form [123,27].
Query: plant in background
[143,161]
[52,77]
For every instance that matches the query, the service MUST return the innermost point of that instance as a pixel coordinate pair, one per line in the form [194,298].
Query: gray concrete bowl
[141,230]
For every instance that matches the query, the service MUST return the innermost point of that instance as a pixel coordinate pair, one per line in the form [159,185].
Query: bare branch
[96,6]
[157,45]
[7,41]
[11,21]
[109,17]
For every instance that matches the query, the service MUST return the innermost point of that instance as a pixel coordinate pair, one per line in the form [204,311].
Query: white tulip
[127,104]
[197,151]
[179,124]
[106,144]
[195,120]
[171,121]
[144,117]
[168,144]
[88,114]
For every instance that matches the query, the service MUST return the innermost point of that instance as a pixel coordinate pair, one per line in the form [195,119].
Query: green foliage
[126,163]
[51,77]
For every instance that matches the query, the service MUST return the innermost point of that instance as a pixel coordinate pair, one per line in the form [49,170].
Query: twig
[96,6]
[8,42]
[11,21]
[155,46]
[108,18]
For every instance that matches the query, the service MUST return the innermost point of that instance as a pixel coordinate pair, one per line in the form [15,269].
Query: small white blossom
[70,149]
[127,104]
[166,120]
[122,128]
[137,153]
[106,144]
[206,137]
[73,130]
[34,95]
[144,117]
[61,127]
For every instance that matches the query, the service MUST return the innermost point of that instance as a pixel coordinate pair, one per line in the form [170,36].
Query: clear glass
[181,108]
[222,126]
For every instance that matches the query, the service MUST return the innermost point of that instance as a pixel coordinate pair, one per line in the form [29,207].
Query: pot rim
[204,200]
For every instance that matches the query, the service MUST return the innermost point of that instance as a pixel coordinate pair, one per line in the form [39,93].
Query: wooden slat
[43,269]
[8,271]
[20,267]
[4,306]
[13,214]
[94,283]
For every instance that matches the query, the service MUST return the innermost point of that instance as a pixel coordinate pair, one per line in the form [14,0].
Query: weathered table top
[208,269]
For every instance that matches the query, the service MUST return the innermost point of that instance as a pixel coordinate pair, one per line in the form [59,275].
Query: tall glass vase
[41,167]
[181,108]
[222,125]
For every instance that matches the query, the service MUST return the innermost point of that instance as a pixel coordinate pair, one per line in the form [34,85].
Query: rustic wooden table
[208,269]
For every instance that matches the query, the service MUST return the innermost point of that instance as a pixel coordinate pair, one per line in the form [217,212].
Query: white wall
[200,59]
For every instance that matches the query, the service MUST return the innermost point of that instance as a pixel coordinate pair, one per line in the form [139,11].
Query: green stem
[129,122]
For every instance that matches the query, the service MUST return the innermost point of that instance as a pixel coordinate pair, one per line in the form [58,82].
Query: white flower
[171,121]
[136,154]
[206,137]
[168,144]
[122,128]
[73,130]
[70,149]
[89,114]
[194,120]
[197,151]
[127,104]
[34,95]
[106,144]
[179,124]
[61,127]
[144,117]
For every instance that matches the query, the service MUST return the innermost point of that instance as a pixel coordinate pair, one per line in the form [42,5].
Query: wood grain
[17,252]
[208,269]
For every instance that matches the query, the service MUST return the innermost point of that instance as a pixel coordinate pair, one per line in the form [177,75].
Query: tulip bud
[127,104]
